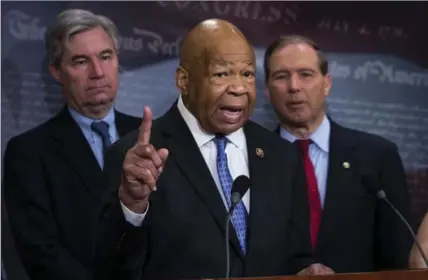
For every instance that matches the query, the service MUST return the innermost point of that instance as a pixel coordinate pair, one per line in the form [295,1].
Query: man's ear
[266,92]
[55,72]
[327,84]
[182,79]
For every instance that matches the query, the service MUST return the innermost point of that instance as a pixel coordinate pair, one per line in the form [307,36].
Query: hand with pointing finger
[142,167]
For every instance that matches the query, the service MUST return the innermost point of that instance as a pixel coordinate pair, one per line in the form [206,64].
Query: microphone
[372,187]
[239,187]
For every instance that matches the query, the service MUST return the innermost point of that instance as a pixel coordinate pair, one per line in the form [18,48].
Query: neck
[97,115]
[303,131]
[93,114]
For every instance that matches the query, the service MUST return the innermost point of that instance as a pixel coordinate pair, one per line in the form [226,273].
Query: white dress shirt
[237,159]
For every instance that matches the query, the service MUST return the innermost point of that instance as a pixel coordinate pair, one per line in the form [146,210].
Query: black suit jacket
[53,185]
[183,233]
[358,232]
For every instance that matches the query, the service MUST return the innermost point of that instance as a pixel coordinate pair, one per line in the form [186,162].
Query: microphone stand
[382,196]
[235,198]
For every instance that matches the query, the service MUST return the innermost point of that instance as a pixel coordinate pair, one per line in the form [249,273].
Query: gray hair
[69,23]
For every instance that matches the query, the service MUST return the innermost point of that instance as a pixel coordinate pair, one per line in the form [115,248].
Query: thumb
[163,154]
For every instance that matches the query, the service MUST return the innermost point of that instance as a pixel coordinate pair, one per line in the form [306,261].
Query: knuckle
[140,163]
[148,149]
[148,164]
[149,178]
[152,181]
[145,172]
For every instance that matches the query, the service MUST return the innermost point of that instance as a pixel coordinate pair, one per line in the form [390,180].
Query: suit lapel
[259,156]
[341,149]
[74,149]
[184,150]
[277,130]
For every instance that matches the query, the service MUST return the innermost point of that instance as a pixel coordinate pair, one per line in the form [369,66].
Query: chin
[98,109]
[300,122]
[298,117]
[229,128]
[101,102]
[102,106]
[101,99]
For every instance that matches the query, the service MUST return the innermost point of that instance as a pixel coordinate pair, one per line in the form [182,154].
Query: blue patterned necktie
[101,128]
[239,215]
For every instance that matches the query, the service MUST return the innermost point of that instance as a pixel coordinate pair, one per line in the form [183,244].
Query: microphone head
[373,186]
[381,194]
[239,187]
[235,197]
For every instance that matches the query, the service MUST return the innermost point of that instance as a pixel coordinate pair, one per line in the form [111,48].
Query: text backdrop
[376,51]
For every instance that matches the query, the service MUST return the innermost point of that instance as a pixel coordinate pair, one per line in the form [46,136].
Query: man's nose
[238,86]
[294,83]
[96,70]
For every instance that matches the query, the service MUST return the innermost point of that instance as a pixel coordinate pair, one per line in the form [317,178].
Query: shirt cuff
[133,218]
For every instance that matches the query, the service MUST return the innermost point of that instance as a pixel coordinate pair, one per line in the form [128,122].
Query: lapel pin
[260,152]
[346,165]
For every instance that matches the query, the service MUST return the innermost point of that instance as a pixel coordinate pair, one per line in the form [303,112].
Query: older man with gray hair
[53,173]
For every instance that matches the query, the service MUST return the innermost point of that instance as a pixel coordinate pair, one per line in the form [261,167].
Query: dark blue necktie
[239,215]
[101,128]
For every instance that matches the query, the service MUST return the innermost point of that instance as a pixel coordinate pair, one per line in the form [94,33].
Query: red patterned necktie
[314,196]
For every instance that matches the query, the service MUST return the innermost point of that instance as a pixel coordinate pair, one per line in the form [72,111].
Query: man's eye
[220,74]
[306,74]
[281,76]
[248,74]
[106,57]
[80,62]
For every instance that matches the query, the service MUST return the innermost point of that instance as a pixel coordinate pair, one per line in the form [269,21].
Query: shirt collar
[201,137]
[85,122]
[321,136]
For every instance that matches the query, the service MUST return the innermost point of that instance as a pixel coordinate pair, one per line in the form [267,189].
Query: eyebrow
[217,62]
[280,71]
[107,51]
[84,56]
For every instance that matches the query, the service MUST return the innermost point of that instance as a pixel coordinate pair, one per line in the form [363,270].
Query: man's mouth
[296,103]
[231,114]
[231,110]
[98,88]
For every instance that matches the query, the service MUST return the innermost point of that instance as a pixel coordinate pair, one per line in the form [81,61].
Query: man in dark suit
[351,230]
[53,173]
[174,178]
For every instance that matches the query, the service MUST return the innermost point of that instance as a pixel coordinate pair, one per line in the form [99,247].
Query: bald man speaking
[171,180]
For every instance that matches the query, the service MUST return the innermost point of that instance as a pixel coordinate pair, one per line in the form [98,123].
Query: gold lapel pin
[346,164]
[260,152]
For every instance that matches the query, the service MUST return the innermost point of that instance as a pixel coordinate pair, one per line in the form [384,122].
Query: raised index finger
[145,127]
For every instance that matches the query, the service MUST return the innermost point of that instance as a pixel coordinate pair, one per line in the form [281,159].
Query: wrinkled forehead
[227,53]
[294,55]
